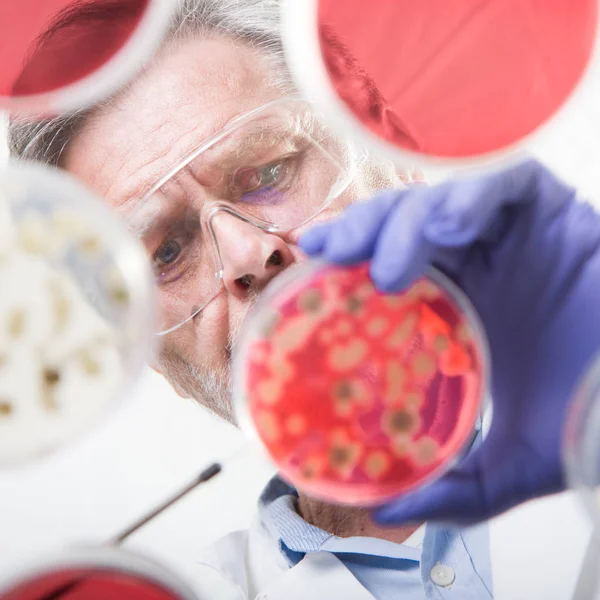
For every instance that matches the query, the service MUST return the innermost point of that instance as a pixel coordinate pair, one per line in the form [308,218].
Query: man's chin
[210,386]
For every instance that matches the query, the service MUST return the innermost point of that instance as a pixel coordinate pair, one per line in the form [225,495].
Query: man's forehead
[191,91]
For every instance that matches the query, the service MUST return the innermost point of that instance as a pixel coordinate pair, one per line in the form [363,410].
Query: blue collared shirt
[389,571]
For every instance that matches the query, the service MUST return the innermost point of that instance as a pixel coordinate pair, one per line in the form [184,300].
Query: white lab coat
[251,563]
[536,553]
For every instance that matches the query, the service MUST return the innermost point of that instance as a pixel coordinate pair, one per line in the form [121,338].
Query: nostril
[275,260]
[245,281]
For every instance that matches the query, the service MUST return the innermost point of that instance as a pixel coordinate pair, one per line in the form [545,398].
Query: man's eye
[167,254]
[255,178]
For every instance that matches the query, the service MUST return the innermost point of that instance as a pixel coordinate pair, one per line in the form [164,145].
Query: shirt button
[442,575]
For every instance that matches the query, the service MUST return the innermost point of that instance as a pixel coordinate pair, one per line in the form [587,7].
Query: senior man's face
[192,91]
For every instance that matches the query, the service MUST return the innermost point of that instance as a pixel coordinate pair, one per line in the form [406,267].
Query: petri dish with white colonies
[76,311]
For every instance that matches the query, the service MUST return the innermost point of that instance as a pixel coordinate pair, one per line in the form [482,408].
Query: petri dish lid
[76,311]
[355,395]
[581,442]
[61,55]
[97,574]
[438,83]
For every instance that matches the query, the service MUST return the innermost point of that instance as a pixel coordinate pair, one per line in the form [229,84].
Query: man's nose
[251,257]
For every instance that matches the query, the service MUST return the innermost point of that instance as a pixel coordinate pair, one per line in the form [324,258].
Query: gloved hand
[527,254]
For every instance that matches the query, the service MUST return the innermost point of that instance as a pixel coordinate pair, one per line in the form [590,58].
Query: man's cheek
[212,329]
[202,340]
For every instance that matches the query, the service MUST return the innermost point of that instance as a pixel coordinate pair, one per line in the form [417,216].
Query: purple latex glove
[527,254]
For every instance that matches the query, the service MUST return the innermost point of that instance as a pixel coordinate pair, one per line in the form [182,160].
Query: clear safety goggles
[274,168]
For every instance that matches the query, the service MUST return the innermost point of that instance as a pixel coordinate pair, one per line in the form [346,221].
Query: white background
[158,441]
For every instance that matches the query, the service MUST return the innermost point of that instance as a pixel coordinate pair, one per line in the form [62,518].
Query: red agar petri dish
[109,575]
[62,55]
[359,396]
[89,585]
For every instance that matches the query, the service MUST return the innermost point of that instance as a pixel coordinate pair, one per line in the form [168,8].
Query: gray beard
[209,386]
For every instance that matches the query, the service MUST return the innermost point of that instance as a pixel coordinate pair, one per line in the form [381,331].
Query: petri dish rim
[15,179]
[581,443]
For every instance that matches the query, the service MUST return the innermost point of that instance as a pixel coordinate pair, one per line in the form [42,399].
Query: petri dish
[581,442]
[97,574]
[440,83]
[76,311]
[359,396]
[61,55]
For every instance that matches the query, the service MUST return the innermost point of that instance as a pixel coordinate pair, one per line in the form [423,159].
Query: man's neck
[347,521]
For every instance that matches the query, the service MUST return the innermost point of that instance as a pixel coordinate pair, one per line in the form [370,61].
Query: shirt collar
[278,513]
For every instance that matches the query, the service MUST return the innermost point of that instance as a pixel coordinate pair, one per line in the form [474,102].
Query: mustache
[236,326]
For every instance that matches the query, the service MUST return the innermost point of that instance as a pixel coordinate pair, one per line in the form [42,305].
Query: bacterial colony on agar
[359,396]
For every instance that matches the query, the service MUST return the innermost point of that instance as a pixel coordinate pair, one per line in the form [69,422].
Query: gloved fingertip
[394,278]
[384,281]
[345,256]
[313,241]
[388,286]
[448,233]
[397,513]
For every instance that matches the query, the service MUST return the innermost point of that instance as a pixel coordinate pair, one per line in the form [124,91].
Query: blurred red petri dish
[453,80]
[50,44]
[359,396]
[88,584]
[58,56]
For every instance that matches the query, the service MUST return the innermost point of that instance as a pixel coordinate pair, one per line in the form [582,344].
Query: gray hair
[254,23]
